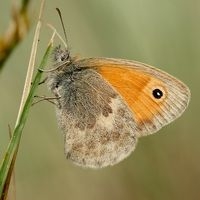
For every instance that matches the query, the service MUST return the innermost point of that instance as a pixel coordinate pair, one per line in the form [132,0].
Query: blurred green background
[165,165]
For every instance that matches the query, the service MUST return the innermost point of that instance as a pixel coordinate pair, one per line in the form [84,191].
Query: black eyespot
[157,93]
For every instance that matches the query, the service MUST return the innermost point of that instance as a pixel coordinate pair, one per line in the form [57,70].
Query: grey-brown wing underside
[98,127]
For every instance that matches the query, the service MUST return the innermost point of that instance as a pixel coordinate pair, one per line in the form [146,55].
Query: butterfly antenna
[63,27]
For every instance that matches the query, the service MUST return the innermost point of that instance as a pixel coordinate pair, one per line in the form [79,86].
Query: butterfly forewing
[154,97]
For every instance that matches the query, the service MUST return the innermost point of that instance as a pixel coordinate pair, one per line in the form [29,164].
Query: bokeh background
[165,165]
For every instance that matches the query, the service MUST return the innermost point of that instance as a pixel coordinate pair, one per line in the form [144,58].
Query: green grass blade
[15,140]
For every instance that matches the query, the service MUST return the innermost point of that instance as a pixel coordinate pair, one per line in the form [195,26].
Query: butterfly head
[61,55]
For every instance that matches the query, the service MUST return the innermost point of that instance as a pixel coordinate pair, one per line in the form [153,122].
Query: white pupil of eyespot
[157,93]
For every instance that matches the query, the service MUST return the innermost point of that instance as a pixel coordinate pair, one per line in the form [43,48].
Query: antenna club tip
[58,10]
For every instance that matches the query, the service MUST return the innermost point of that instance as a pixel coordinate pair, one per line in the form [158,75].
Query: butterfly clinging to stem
[104,105]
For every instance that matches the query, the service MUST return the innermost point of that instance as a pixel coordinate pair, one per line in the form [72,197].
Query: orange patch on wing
[136,89]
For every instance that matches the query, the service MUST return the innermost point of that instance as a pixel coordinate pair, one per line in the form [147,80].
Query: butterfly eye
[157,93]
[62,57]
[57,84]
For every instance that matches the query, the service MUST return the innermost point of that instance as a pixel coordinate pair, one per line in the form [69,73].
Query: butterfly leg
[43,81]
[44,98]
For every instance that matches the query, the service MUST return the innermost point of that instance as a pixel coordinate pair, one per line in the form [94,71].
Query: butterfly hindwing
[97,124]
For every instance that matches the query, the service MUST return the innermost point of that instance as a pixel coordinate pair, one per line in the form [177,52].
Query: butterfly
[104,105]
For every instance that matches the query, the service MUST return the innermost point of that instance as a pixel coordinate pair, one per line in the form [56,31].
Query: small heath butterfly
[104,105]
